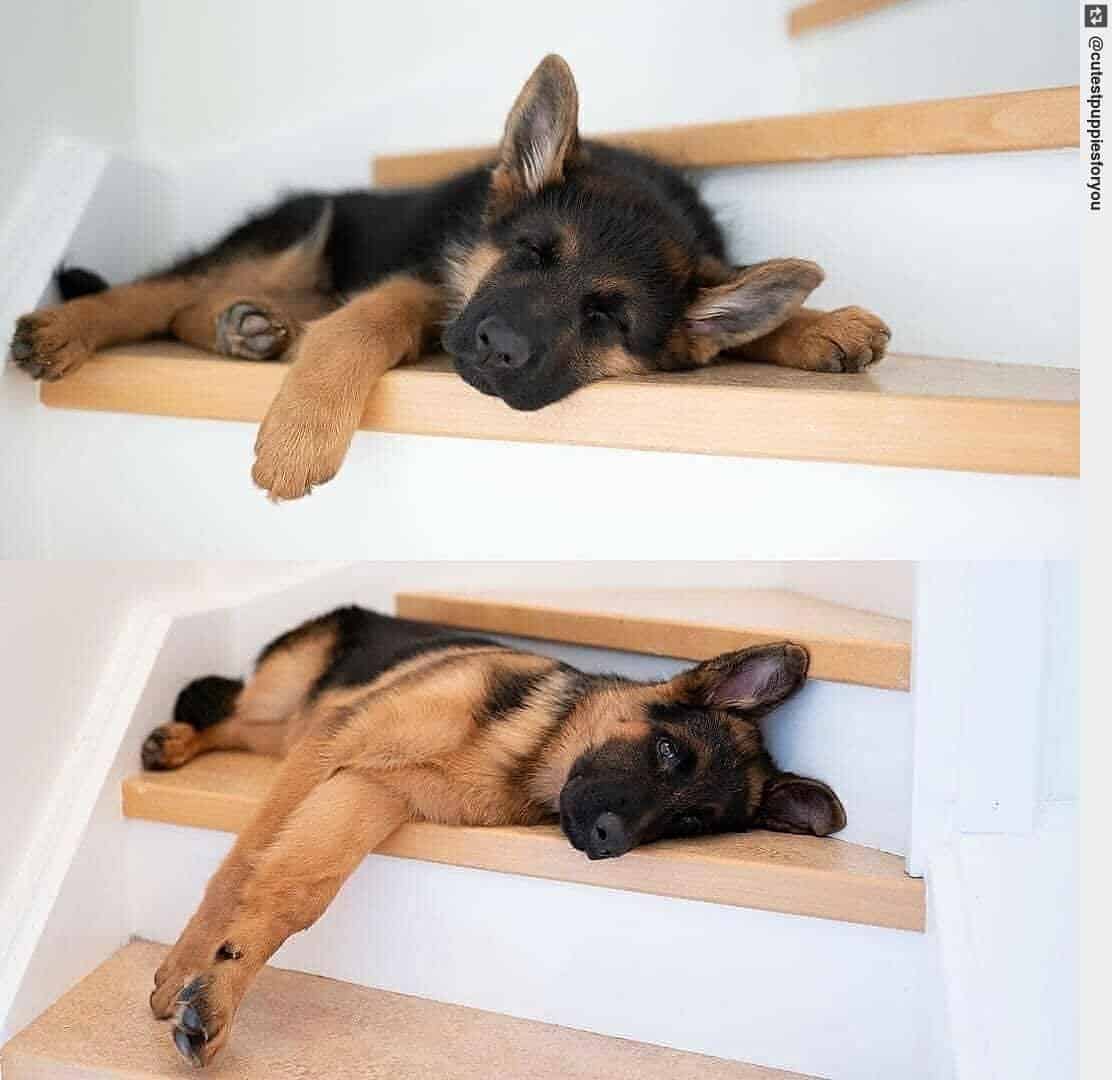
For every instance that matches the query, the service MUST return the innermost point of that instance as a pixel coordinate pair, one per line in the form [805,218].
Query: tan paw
[300,445]
[205,1007]
[46,345]
[848,339]
[169,746]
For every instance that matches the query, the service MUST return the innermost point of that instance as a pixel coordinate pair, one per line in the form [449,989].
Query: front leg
[291,885]
[338,360]
[848,339]
[307,766]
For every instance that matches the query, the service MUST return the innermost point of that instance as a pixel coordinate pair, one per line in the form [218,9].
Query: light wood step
[1022,120]
[801,875]
[846,645]
[908,411]
[296,1025]
[819,14]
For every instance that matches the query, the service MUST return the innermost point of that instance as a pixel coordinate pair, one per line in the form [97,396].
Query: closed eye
[605,309]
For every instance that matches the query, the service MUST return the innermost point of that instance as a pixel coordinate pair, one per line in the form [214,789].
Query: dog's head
[587,266]
[686,758]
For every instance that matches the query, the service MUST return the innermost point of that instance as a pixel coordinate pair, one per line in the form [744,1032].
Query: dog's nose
[499,346]
[608,837]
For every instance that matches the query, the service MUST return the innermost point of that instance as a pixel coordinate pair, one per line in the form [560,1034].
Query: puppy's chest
[461,790]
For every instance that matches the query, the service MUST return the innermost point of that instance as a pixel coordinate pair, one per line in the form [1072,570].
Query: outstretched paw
[45,346]
[849,339]
[200,1023]
[169,746]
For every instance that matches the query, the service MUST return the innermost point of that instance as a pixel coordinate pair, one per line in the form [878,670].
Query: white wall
[68,69]
[58,624]
[319,87]
[922,49]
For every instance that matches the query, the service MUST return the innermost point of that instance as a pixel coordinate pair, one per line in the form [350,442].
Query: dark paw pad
[23,349]
[191,1033]
[152,753]
[251,332]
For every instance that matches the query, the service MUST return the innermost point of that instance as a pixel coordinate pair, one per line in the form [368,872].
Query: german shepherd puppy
[383,721]
[562,262]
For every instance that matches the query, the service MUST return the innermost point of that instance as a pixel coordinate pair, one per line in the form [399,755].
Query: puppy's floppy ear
[735,306]
[541,136]
[753,681]
[797,804]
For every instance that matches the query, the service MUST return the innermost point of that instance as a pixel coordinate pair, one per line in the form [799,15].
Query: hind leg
[194,300]
[215,713]
[56,340]
[247,324]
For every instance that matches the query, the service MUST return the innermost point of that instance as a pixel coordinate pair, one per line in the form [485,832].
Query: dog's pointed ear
[542,133]
[752,681]
[735,306]
[798,804]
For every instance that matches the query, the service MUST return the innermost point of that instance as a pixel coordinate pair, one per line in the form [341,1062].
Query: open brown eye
[667,752]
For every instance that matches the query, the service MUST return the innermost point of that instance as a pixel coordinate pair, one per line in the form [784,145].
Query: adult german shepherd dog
[562,262]
[383,721]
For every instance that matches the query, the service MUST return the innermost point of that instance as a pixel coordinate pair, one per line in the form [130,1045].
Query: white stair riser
[812,995]
[397,495]
[969,255]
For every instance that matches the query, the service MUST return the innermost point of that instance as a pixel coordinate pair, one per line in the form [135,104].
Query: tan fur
[616,360]
[465,269]
[433,738]
[337,361]
[848,339]
[289,284]
[62,338]
[604,715]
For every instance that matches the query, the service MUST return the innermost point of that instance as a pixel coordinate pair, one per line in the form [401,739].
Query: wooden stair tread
[803,875]
[819,14]
[1039,119]
[297,1025]
[846,645]
[908,411]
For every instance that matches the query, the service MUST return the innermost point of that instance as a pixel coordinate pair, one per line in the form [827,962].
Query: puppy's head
[586,268]
[686,758]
